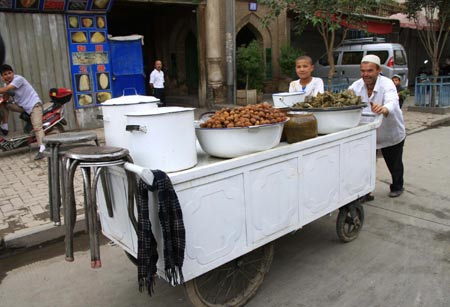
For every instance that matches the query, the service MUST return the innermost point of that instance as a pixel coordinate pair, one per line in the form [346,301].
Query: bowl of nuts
[234,132]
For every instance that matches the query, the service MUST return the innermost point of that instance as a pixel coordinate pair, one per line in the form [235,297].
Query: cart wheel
[349,221]
[233,283]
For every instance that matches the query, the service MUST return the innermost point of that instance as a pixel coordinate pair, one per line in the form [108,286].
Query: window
[324,59]
[399,57]
[382,54]
[352,57]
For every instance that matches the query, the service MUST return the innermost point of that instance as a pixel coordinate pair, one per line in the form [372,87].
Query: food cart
[233,209]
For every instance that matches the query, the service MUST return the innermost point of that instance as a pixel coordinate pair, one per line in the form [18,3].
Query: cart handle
[144,173]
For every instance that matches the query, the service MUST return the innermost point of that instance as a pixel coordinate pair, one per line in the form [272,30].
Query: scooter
[424,73]
[52,119]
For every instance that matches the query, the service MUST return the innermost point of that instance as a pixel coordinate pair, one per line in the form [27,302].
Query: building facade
[53,46]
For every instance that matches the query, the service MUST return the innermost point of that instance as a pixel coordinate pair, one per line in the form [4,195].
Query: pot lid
[130,99]
[160,111]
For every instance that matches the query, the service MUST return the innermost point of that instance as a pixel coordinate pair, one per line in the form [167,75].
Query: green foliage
[403,93]
[328,13]
[287,59]
[328,16]
[437,15]
[250,65]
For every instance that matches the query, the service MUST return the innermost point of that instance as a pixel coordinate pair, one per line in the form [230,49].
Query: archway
[191,60]
[246,35]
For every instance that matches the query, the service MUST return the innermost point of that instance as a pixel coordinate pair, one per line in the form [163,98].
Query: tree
[434,34]
[328,16]
[250,65]
[288,55]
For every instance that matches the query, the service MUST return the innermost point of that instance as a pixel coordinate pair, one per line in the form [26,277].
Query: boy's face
[303,68]
[8,76]
[396,81]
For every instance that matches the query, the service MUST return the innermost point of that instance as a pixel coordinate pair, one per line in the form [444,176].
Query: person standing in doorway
[381,96]
[157,82]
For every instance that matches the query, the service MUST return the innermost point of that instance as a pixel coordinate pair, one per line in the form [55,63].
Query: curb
[432,124]
[29,237]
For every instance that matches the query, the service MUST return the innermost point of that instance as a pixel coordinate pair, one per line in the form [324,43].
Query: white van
[348,59]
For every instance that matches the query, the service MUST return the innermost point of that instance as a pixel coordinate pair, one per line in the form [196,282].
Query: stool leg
[106,185]
[49,175]
[56,196]
[70,209]
[98,172]
[62,176]
[92,216]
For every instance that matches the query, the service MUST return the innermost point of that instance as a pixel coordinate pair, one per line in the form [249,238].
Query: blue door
[127,66]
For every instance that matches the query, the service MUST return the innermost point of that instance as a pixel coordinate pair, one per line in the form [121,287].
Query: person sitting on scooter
[26,100]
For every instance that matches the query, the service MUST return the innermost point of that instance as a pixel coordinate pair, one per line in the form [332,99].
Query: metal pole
[230,42]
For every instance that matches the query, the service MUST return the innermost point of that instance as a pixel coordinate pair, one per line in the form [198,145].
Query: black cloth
[172,226]
[401,99]
[393,156]
[160,94]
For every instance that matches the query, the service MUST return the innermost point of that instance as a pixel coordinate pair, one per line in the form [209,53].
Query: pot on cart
[330,120]
[114,120]
[162,138]
[286,100]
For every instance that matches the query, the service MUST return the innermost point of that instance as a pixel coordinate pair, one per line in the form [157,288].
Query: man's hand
[379,109]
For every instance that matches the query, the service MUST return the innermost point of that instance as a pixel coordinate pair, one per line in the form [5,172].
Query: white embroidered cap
[371,58]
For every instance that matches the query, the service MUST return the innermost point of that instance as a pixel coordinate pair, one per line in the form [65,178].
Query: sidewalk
[24,218]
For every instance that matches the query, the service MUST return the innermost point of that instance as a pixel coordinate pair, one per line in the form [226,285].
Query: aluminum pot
[331,120]
[235,142]
[114,120]
[162,138]
[283,100]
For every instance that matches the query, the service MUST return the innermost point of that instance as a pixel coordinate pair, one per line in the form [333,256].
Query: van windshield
[324,59]
[382,54]
[399,57]
[352,57]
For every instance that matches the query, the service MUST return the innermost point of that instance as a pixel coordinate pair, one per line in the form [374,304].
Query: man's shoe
[4,131]
[39,156]
[396,193]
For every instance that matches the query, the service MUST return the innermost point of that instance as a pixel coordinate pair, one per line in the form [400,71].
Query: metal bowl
[235,142]
[330,120]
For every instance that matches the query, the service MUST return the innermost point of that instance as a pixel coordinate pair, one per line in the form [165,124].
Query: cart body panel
[231,207]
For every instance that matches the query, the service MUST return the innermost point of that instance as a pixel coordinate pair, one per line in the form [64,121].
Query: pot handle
[282,102]
[129,88]
[131,128]
[205,116]
[253,129]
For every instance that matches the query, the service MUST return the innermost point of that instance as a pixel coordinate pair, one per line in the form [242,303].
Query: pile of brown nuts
[250,115]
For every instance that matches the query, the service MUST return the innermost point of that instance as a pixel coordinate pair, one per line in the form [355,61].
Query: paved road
[402,257]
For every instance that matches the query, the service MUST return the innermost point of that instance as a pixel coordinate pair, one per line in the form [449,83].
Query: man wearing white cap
[381,96]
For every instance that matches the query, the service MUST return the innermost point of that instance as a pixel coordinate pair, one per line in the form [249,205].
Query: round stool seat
[97,153]
[70,137]
[64,148]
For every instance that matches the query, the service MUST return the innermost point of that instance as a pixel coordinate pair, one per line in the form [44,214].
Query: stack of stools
[56,145]
[89,158]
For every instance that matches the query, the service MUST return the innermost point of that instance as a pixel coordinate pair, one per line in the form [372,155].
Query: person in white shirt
[306,83]
[381,96]
[26,100]
[157,82]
